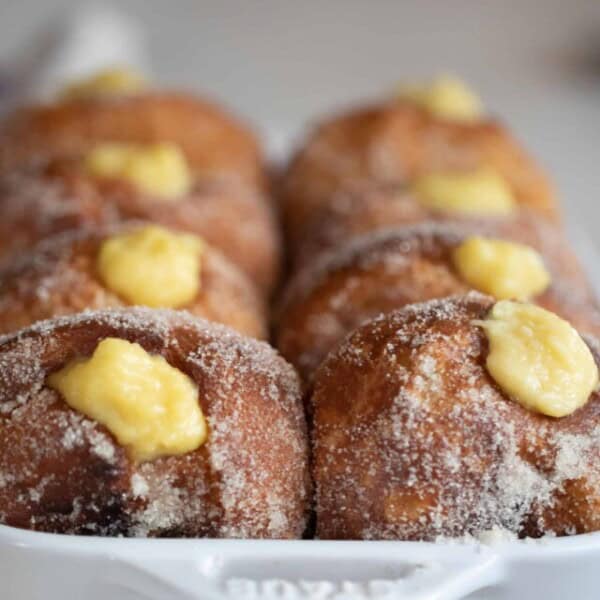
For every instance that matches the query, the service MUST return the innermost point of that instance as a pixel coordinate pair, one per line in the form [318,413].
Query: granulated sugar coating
[386,270]
[395,142]
[59,276]
[366,207]
[36,132]
[42,200]
[413,440]
[61,472]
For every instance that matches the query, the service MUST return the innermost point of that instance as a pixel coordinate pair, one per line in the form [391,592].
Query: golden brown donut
[37,202]
[414,440]
[370,206]
[215,144]
[395,142]
[384,271]
[60,276]
[65,473]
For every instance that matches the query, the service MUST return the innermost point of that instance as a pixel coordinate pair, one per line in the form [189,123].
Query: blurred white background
[281,63]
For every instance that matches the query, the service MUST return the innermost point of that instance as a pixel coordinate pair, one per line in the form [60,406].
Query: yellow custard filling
[480,192]
[152,266]
[538,359]
[501,269]
[114,81]
[149,406]
[159,169]
[445,97]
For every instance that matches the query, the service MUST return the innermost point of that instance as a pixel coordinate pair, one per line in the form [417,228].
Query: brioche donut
[386,270]
[398,141]
[61,276]
[39,202]
[214,143]
[362,208]
[65,472]
[413,439]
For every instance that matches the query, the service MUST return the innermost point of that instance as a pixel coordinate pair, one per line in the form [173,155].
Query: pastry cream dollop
[501,269]
[114,81]
[538,359]
[158,169]
[149,406]
[152,266]
[445,97]
[479,192]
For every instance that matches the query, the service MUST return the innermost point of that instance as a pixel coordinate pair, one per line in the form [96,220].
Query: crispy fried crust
[38,202]
[59,277]
[414,440]
[384,271]
[395,142]
[370,206]
[62,472]
[215,144]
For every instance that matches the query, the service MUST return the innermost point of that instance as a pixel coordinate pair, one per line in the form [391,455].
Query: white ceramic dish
[36,566]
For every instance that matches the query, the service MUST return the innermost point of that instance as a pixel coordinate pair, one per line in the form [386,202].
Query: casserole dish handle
[422,572]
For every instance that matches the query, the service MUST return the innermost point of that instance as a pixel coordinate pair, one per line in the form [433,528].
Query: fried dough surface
[39,202]
[215,144]
[413,440]
[380,272]
[368,207]
[396,142]
[60,276]
[62,472]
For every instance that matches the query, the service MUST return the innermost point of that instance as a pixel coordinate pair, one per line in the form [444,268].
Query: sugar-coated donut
[386,270]
[64,472]
[215,144]
[60,276]
[370,206]
[396,142]
[37,202]
[414,440]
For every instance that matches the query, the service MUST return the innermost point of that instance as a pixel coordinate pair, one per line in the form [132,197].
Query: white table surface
[280,63]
